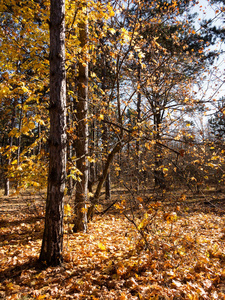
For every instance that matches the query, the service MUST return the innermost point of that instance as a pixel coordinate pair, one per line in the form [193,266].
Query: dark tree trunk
[108,187]
[93,147]
[8,160]
[105,135]
[158,172]
[81,145]
[102,179]
[6,186]
[138,157]
[52,244]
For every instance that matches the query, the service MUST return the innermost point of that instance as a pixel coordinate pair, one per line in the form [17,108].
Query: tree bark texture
[158,172]
[81,145]
[138,156]
[105,134]
[8,159]
[52,244]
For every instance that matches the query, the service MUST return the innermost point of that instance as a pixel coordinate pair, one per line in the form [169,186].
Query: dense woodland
[112,147]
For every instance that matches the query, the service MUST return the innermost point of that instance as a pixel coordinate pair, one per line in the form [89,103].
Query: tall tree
[81,145]
[52,244]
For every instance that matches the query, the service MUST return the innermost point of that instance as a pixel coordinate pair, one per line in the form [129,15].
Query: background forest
[144,115]
[145,60]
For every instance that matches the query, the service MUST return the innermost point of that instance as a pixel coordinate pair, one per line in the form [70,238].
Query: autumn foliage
[143,150]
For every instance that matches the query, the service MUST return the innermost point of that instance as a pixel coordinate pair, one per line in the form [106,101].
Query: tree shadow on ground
[29,220]
[101,275]
[16,271]
[22,231]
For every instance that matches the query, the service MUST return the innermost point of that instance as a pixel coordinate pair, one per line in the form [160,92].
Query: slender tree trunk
[105,134]
[108,187]
[158,172]
[93,147]
[108,162]
[71,181]
[6,186]
[138,157]
[70,124]
[19,144]
[8,160]
[52,243]
[81,145]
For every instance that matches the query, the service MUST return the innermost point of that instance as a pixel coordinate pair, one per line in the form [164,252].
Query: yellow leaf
[31,125]
[14,132]
[215,157]
[25,90]
[211,165]
[112,30]
[148,146]
[170,217]
[90,159]
[101,117]
[25,129]
[67,210]
[84,209]
[142,224]
[101,246]
[141,55]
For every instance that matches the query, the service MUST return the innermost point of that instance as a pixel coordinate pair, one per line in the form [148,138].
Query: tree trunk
[108,187]
[52,243]
[81,145]
[6,186]
[105,134]
[93,147]
[19,139]
[108,162]
[158,172]
[9,159]
[138,157]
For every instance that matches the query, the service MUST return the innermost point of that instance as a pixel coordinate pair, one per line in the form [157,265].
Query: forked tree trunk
[95,198]
[81,145]
[52,244]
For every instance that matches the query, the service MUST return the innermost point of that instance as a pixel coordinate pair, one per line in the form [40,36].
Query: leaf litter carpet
[173,259]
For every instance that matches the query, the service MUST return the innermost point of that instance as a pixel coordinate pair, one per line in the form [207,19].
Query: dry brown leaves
[185,259]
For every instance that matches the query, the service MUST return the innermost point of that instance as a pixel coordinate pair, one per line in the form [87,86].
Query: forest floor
[169,252]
